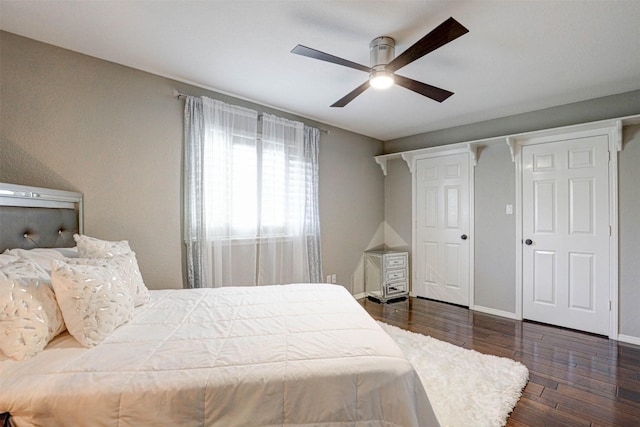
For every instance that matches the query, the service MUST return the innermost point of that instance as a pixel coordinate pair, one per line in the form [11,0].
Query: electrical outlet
[509,210]
[333,278]
[328,279]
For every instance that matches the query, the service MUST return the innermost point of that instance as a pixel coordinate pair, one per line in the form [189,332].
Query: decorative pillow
[90,247]
[93,300]
[126,266]
[29,313]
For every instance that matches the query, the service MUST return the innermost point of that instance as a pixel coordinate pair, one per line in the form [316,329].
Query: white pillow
[41,256]
[6,258]
[126,266]
[29,313]
[93,300]
[90,247]
[68,252]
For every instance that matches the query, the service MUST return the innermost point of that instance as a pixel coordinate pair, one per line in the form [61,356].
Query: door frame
[411,158]
[614,134]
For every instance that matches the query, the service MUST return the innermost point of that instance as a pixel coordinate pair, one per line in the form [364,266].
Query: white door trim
[412,157]
[614,133]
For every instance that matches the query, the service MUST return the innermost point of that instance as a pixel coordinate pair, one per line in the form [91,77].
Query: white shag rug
[466,388]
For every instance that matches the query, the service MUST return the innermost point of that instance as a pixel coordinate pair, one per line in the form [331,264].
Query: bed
[283,355]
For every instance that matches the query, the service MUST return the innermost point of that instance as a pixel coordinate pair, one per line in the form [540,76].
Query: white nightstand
[386,274]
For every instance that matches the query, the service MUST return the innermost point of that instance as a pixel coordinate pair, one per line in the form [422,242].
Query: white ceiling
[518,55]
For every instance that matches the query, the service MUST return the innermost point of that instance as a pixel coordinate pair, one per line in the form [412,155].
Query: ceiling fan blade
[429,91]
[444,33]
[316,54]
[351,95]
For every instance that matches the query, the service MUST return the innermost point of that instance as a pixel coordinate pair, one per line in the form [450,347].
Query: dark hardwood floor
[575,379]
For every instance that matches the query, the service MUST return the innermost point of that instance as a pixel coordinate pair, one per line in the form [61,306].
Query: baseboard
[629,339]
[487,310]
[495,312]
[360,295]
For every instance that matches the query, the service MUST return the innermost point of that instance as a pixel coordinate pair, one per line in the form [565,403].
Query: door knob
[528,242]
[463,237]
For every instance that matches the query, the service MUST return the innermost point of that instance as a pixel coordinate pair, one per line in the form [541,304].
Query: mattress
[287,355]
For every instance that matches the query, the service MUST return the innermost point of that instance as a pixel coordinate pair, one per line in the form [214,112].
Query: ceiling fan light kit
[380,80]
[384,64]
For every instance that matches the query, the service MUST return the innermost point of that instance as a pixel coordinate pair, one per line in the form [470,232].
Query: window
[250,190]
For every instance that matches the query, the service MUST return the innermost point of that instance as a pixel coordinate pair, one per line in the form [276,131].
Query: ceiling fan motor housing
[381,52]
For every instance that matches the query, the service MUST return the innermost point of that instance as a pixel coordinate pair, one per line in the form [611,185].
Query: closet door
[565,199]
[442,251]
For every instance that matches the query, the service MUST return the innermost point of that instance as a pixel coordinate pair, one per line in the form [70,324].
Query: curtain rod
[179,95]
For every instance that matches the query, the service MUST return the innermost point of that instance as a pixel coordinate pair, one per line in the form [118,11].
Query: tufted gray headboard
[33,217]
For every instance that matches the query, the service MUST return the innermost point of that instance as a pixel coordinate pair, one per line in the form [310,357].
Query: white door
[565,200]
[441,261]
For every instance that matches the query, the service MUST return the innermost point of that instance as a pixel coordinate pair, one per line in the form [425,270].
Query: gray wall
[397,208]
[74,122]
[495,187]
[629,232]
[495,257]
[608,107]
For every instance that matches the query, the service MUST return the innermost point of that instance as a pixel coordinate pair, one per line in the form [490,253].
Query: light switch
[509,210]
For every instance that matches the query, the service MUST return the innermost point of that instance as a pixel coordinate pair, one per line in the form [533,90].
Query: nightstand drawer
[395,275]
[396,261]
[396,288]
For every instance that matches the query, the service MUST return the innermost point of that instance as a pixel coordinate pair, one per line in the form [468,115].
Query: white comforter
[288,355]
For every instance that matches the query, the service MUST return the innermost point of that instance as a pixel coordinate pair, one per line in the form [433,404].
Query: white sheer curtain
[289,226]
[220,146]
[251,213]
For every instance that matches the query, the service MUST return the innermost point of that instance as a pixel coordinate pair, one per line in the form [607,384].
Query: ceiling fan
[383,64]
